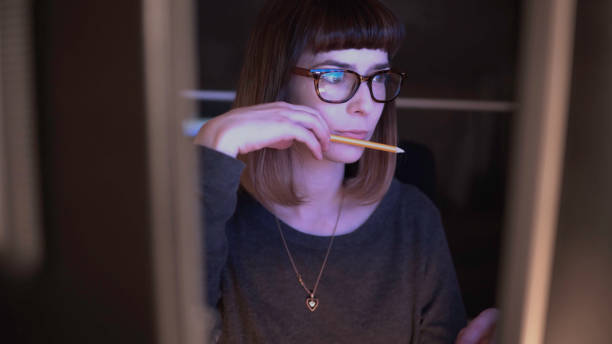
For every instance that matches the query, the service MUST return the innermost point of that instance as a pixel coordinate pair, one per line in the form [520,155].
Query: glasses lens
[386,85]
[337,86]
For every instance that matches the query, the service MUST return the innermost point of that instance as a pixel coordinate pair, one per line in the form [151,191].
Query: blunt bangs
[347,24]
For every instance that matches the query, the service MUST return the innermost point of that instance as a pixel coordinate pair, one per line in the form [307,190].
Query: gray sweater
[389,281]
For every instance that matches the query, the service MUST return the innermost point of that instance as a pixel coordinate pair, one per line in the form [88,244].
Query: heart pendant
[312,303]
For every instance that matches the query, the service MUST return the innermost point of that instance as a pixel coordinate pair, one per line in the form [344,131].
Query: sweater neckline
[375,222]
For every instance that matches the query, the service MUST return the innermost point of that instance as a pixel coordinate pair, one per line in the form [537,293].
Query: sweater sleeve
[219,181]
[442,313]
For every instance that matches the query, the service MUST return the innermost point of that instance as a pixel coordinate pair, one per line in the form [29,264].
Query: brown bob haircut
[283,31]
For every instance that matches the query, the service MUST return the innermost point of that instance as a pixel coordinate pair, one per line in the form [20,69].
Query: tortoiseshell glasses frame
[317,74]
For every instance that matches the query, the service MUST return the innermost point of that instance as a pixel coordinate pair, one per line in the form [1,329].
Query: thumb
[480,329]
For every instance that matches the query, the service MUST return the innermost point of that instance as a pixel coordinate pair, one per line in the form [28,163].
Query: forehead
[359,59]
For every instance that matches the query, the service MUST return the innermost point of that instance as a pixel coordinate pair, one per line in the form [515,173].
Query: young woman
[309,240]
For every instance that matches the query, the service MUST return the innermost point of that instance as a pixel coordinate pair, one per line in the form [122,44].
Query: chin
[344,153]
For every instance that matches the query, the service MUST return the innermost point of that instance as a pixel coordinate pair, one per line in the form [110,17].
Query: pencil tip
[399,150]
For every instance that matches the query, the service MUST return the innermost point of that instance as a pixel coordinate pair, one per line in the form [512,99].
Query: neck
[319,183]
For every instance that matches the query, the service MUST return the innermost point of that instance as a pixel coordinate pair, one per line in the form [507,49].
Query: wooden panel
[21,247]
[170,69]
[547,39]
[580,307]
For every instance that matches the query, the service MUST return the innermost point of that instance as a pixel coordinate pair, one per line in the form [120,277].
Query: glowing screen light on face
[333,77]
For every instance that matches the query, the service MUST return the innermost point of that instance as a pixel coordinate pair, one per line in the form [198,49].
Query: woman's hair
[283,31]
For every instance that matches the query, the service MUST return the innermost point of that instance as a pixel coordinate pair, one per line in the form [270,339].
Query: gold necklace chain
[311,301]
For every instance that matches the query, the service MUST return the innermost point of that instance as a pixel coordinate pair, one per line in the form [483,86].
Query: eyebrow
[348,66]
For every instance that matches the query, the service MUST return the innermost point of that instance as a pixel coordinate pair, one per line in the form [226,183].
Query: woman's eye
[380,78]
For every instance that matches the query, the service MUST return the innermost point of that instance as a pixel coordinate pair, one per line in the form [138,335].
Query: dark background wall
[95,282]
[453,50]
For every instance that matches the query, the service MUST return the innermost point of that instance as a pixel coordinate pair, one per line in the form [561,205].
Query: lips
[354,134]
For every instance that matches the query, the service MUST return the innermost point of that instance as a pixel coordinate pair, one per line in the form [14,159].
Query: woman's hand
[275,125]
[481,330]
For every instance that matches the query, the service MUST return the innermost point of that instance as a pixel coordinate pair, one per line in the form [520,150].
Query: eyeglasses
[339,85]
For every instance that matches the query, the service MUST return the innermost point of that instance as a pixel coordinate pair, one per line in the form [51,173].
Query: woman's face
[355,118]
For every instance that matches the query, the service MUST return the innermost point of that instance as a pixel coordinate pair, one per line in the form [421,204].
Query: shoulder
[413,211]
[408,198]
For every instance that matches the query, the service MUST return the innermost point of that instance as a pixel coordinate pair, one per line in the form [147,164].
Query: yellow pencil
[366,144]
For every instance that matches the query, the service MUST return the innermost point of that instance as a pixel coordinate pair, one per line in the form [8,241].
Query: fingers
[275,125]
[282,136]
[308,138]
[313,123]
[480,330]
[304,116]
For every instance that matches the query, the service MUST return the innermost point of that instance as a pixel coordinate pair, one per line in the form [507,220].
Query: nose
[362,102]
